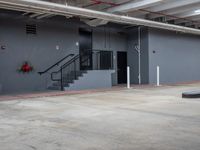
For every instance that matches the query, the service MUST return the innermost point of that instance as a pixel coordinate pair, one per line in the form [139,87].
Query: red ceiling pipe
[103,2]
[95,3]
[111,5]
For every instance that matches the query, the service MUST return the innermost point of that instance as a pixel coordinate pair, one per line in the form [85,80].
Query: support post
[74,70]
[138,50]
[158,76]
[139,55]
[128,77]
[61,79]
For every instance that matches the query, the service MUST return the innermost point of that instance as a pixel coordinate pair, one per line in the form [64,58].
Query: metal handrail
[56,64]
[65,66]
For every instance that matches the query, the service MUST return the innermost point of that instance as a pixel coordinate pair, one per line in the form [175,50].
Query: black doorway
[121,67]
[85,49]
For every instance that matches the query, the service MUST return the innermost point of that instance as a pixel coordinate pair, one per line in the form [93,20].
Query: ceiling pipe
[52,8]
[98,2]
[104,2]
[99,22]
[89,5]
[112,5]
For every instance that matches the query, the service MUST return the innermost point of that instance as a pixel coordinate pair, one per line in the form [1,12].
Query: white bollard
[158,76]
[128,77]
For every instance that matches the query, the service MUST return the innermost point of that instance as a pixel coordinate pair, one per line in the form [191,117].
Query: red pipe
[90,5]
[97,2]
[103,2]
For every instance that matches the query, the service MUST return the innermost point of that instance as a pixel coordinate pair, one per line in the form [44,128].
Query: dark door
[121,67]
[85,49]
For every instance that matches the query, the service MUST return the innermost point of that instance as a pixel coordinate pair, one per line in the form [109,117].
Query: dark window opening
[106,61]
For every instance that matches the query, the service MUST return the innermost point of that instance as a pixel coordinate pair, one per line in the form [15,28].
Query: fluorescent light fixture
[197,11]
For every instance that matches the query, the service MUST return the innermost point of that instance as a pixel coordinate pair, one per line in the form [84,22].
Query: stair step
[73,74]
[68,79]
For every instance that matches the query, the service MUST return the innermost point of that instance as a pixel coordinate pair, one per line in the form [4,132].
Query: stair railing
[56,64]
[62,67]
[68,72]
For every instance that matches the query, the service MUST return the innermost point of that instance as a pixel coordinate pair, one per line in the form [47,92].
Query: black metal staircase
[71,70]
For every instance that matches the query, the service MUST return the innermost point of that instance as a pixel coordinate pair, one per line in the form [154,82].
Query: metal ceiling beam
[177,10]
[195,18]
[135,5]
[188,14]
[45,16]
[52,8]
[35,15]
[173,4]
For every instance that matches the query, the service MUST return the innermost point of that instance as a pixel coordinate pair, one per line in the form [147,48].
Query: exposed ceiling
[180,12]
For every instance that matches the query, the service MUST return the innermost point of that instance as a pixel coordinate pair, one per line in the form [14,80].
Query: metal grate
[31,29]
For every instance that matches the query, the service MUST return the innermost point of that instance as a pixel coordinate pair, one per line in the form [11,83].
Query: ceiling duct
[37,6]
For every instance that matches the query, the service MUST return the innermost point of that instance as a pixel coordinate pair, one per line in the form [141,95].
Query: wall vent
[31,29]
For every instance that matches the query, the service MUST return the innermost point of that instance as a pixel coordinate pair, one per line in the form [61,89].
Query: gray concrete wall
[178,56]
[133,55]
[40,50]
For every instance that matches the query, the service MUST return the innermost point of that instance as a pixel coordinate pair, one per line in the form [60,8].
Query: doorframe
[91,59]
[125,66]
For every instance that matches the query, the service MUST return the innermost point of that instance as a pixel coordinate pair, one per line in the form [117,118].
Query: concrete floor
[135,119]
